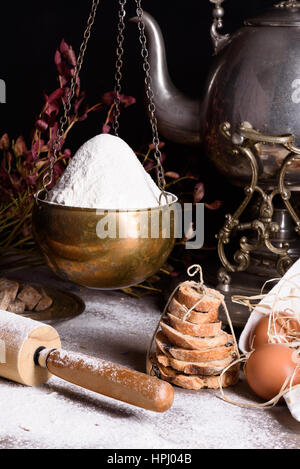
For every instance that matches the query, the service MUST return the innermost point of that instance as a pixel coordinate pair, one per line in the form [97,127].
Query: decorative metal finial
[287,4]
[218,10]
[219,40]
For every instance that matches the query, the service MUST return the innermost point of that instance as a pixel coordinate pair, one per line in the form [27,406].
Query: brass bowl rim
[41,201]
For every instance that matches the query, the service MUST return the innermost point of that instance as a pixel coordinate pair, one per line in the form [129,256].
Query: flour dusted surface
[106,174]
[117,328]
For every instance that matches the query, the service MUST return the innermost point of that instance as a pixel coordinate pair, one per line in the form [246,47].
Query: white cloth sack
[289,285]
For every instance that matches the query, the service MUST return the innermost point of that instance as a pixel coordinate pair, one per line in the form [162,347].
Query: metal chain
[119,65]
[48,177]
[150,95]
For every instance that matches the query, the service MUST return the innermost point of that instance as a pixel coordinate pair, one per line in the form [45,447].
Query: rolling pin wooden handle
[109,379]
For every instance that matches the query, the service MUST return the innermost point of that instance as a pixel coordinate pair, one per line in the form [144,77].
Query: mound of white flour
[106,174]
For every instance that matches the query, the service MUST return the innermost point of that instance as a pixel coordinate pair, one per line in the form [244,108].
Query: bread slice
[195,382]
[10,286]
[195,317]
[44,303]
[194,368]
[30,296]
[192,343]
[195,330]
[191,298]
[17,307]
[203,355]
[5,299]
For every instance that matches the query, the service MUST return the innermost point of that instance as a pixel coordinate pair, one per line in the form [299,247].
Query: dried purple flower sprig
[22,166]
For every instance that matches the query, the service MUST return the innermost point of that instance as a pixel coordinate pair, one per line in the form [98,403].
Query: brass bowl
[68,238]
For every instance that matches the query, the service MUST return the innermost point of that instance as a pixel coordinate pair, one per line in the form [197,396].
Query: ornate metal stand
[264,226]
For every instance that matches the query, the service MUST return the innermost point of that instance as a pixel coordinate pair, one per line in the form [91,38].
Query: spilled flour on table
[61,415]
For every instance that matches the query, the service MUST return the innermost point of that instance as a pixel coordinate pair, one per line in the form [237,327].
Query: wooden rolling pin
[30,353]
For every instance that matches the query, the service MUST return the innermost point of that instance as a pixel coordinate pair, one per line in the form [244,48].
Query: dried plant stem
[184,178]
[145,287]
[164,271]
[13,232]
[94,107]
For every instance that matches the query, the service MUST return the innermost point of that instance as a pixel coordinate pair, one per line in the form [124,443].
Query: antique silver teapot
[249,123]
[255,78]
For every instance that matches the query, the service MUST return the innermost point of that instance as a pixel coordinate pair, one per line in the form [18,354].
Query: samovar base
[262,244]
[249,283]
[263,267]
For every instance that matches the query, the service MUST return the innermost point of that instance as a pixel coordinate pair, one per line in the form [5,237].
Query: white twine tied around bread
[291,340]
[200,287]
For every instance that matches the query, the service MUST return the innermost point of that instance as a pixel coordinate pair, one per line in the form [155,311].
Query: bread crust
[194,317]
[44,303]
[17,307]
[195,382]
[9,286]
[5,299]
[206,354]
[193,343]
[30,296]
[191,298]
[195,330]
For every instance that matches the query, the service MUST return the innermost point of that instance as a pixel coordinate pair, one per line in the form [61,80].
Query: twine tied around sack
[277,315]
[200,287]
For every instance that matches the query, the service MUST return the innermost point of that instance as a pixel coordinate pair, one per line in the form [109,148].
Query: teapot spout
[179,116]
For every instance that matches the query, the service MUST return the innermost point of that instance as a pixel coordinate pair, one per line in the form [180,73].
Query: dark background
[31,31]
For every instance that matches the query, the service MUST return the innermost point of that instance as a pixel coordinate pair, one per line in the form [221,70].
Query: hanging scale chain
[48,177]
[119,65]
[149,91]
[151,105]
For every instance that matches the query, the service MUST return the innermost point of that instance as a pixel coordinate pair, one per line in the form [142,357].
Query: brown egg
[282,325]
[268,367]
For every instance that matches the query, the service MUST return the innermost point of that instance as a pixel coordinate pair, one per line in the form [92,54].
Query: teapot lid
[286,13]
